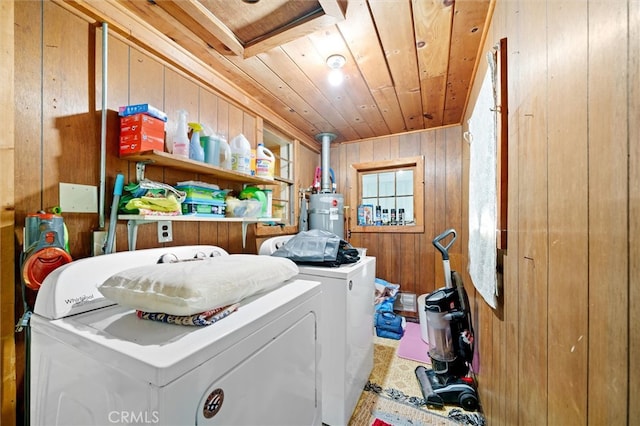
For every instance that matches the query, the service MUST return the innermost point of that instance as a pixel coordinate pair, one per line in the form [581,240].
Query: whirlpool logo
[80,300]
[133,417]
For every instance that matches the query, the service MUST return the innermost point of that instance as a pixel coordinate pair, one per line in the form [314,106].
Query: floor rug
[412,346]
[393,379]
[374,407]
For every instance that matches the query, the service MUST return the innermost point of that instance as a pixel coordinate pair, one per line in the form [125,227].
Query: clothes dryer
[346,330]
[95,363]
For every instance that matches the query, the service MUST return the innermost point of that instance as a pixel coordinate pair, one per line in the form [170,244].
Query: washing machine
[346,330]
[94,362]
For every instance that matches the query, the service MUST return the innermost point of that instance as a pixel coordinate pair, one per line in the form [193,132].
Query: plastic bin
[424,333]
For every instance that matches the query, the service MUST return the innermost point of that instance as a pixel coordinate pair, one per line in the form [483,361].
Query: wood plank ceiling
[409,63]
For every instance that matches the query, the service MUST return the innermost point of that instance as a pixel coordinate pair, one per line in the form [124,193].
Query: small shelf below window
[165,159]
[133,221]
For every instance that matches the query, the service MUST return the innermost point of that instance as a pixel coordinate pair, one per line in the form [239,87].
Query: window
[388,195]
[283,190]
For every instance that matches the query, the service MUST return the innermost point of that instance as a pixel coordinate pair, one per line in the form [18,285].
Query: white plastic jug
[225,152]
[265,161]
[241,154]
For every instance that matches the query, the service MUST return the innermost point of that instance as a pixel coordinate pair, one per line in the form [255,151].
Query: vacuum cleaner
[450,330]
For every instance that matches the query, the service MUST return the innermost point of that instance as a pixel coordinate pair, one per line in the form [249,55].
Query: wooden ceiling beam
[193,15]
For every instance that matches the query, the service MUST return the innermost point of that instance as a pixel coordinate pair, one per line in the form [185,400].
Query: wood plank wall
[563,346]
[7,240]
[410,259]
[57,132]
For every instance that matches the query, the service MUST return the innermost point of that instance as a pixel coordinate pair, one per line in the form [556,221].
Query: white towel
[482,195]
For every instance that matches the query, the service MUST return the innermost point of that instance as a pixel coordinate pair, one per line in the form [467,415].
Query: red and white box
[141,132]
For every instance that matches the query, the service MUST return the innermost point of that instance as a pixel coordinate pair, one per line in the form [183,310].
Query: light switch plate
[78,198]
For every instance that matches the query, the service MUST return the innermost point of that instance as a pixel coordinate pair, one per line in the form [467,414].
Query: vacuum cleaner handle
[444,249]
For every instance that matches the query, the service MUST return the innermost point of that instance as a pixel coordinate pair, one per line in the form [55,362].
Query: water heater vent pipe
[326,139]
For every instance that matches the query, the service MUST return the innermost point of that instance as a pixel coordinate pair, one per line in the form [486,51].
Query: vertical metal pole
[103,125]
[326,139]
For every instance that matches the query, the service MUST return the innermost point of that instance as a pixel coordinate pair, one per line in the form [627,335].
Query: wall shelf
[133,221]
[165,159]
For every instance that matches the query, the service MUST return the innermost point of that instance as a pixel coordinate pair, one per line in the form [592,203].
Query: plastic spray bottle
[196,152]
[181,136]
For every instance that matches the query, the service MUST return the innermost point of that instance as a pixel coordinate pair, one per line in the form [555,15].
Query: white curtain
[482,192]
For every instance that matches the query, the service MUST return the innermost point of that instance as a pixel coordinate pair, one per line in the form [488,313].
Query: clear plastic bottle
[181,136]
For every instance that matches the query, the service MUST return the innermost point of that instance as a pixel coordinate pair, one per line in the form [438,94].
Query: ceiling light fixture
[336,62]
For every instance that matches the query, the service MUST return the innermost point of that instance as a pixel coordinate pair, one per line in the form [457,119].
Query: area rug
[412,346]
[374,407]
[394,390]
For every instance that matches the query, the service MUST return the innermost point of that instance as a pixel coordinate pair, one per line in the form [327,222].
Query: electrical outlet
[165,232]
[99,241]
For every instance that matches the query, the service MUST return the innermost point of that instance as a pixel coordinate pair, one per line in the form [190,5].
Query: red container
[141,132]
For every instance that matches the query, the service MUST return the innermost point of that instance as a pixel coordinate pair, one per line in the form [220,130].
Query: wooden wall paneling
[634,209]
[407,258]
[453,188]
[223,128]
[426,266]
[7,216]
[406,145]
[608,215]
[28,101]
[567,212]
[532,315]
[532,198]
[180,94]
[26,155]
[440,194]
[69,151]
[208,115]
[146,85]
[236,127]
[509,399]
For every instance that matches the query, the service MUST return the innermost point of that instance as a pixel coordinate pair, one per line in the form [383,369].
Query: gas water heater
[326,208]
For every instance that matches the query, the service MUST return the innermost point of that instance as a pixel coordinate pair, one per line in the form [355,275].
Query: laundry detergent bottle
[265,161]
[181,136]
[241,154]
[196,152]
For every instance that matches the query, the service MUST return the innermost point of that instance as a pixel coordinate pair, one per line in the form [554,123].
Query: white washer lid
[157,352]
[341,271]
[73,288]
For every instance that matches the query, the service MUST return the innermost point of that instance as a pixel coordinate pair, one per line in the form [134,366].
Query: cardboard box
[209,209]
[135,143]
[147,109]
[141,132]
[365,214]
[142,122]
